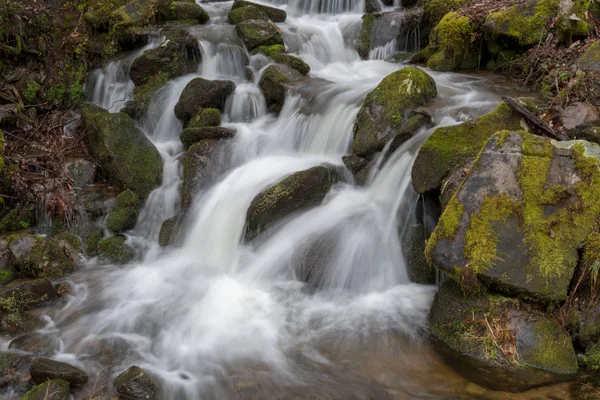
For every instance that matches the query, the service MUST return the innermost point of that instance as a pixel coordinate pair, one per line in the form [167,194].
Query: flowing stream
[218,319]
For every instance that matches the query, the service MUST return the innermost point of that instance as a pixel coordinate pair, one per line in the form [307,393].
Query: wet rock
[277,54]
[128,158]
[383,111]
[142,95]
[413,125]
[125,212]
[436,9]
[82,171]
[592,358]
[360,167]
[310,259]
[199,166]
[169,231]
[21,295]
[246,13]
[43,369]
[297,192]
[183,10]
[115,250]
[37,256]
[499,343]
[523,211]
[274,14]
[354,163]
[17,218]
[363,44]
[201,93]
[258,33]
[589,132]
[523,23]
[189,136]
[590,60]
[12,367]
[19,322]
[36,343]
[206,117]
[449,148]
[274,83]
[578,114]
[127,21]
[50,390]
[93,237]
[135,384]
[178,55]
[372,6]
[413,246]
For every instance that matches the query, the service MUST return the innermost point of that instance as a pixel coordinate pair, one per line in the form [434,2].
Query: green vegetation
[435,10]
[363,46]
[115,250]
[450,42]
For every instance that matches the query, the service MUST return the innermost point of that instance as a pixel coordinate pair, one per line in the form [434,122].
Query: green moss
[555,351]
[18,218]
[30,92]
[525,23]
[206,117]
[73,240]
[276,53]
[363,46]
[48,258]
[447,226]
[56,388]
[592,358]
[6,276]
[142,95]
[241,14]
[451,147]
[270,51]
[450,42]
[115,250]
[125,213]
[93,238]
[184,11]
[435,10]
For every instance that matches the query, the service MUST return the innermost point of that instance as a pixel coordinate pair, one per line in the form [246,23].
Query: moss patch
[449,43]
[115,250]
[205,118]
[125,213]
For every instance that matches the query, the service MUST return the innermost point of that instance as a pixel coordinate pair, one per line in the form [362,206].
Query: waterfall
[210,316]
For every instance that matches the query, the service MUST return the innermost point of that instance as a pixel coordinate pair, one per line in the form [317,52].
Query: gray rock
[11,366]
[590,60]
[200,164]
[49,390]
[274,83]
[43,369]
[578,114]
[135,384]
[189,136]
[274,14]
[82,171]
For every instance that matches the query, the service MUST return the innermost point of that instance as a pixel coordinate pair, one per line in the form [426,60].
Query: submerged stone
[50,390]
[43,369]
[520,216]
[274,83]
[498,342]
[135,384]
[383,111]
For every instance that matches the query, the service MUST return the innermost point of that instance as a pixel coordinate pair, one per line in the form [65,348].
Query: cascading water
[217,318]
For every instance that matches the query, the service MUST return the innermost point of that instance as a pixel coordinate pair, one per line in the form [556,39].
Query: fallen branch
[533,120]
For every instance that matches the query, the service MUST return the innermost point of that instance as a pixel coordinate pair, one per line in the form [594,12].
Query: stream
[219,319]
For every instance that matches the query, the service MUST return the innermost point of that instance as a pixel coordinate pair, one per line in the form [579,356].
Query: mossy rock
[142,95]
[202,93]
[525,208]
[36,256]
[435,10]
[363,45]
[498,342]
[182,10]
[590,60]
[449,44]
[55,389]
[587,387]
[125,212]
[274,83]
[36,343]
[178,55]
[205,117]
[592,358]
[134,383]
[115,250]
[17,218]
[384,109]
[277,54]
[274,14]
[450,148]
[199,166]
[22,295]
[526,24]
[128,158]
[246,13]
[92,238]
[297,192]
[258,33]
[170,231]
[189,136]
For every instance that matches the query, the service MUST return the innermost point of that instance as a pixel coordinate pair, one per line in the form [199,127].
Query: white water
[208,318]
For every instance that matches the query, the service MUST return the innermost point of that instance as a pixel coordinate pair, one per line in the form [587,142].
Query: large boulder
[170,231]
[277,54]
[179,54]
[499,342]
[21,295]
[274,83]
[199,166]
[16,218]
[202,93]
[450,148]
[128,158]
[189,11]
[590,60]
[44,369]
[37,256]
[299,191]
[525,208]
[274,14]
[135,384]
[246,13]
[525,24]
[189,136]
[50,390]
[125,212]
[384,110]
[255,33]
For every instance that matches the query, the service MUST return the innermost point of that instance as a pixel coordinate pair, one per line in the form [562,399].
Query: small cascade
[246,104]
[335,7]
[383,52]
[110,87]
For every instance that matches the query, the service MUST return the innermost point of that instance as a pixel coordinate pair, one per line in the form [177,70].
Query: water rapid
[220,319]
